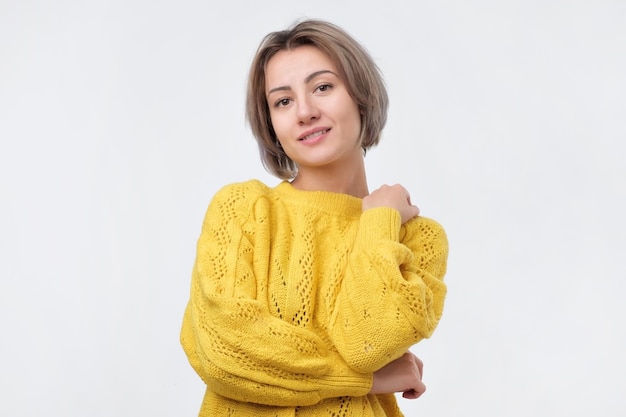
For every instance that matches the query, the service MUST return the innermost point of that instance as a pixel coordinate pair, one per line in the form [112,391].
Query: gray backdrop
[120,119]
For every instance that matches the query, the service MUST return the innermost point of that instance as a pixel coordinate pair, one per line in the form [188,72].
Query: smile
[314,134]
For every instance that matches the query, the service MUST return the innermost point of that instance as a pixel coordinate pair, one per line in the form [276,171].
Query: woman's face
[315,119]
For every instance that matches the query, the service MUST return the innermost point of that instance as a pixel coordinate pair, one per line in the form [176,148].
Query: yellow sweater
[297,297]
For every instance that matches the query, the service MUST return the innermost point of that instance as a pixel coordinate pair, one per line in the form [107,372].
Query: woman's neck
[346,181]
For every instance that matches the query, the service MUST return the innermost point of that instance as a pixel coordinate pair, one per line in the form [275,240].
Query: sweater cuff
[380,223]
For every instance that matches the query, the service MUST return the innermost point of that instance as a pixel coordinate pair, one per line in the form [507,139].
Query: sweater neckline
[322,200]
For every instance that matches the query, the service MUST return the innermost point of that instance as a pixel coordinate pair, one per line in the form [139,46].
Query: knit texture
[297,297]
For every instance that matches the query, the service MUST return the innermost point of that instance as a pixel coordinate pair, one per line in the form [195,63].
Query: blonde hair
[356,67]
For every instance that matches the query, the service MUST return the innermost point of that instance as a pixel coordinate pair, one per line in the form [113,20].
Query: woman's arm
[393,292]
[232,341]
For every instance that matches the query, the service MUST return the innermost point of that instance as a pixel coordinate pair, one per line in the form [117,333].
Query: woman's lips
[313,134]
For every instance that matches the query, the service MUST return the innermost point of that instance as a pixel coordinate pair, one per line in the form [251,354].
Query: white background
[120,119]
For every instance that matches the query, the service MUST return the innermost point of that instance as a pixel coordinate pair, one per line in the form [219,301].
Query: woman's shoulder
[240,194]
[428,222]
[235,201]
[426,228]
[250,186]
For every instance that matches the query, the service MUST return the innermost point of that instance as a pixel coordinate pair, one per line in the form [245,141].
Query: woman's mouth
[314,134]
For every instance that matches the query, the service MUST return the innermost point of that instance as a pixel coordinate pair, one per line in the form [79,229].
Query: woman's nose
[307,110]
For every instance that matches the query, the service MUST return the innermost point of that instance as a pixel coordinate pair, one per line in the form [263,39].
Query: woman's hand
[402,375]
[394,196]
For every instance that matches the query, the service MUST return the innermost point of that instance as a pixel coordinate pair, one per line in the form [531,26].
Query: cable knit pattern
[297,297]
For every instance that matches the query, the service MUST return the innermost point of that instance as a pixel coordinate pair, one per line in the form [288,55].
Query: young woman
[307,296]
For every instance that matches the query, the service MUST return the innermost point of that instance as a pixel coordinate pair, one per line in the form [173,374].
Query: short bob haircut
[356,68]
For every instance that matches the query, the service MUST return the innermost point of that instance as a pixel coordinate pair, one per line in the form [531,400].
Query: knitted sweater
[297,297]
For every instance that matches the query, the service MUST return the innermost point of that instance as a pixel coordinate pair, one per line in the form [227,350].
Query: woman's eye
[324,87]
[282,102]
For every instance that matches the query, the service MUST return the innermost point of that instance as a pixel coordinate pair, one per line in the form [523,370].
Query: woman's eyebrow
[316,73]
[306,80]
[283,88]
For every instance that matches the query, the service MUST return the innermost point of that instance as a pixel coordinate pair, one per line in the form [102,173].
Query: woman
[307,296]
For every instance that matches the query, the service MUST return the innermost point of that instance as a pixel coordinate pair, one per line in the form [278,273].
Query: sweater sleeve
[235,345]
[393,292]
